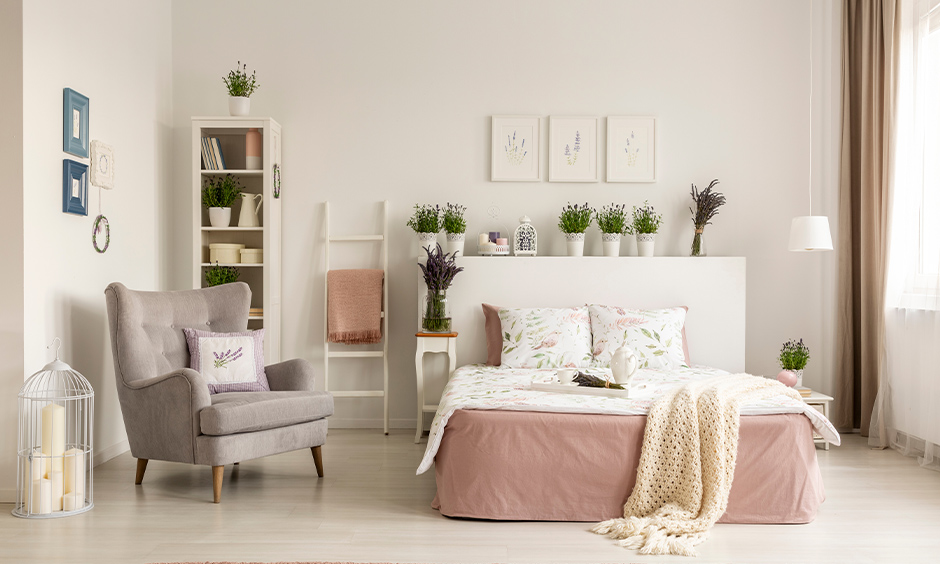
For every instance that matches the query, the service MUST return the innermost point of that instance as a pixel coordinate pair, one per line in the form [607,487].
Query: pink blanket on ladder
[354,306]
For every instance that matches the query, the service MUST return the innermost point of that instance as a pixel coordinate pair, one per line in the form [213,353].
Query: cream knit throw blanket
[687,464]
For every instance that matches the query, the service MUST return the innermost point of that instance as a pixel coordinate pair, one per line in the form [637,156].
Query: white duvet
[491,387]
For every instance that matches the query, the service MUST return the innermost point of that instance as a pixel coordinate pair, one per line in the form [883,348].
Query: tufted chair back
[147,327]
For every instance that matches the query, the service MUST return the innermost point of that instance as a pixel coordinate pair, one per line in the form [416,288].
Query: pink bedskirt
[534,466]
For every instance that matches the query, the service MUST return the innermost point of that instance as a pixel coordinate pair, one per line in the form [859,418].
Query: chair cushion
[244,412]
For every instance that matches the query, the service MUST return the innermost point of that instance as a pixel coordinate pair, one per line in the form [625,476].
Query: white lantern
[525,239]
[56,415]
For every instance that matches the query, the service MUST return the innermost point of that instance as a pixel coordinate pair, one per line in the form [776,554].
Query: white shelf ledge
[233,228]
[239,171]
[233,264]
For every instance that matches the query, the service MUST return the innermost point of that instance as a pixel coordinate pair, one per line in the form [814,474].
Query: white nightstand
[821,402]
[432,343]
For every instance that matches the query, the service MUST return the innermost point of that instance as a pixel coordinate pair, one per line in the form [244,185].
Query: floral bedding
[478,386]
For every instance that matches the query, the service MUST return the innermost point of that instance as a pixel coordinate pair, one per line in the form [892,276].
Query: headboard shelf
[713,288]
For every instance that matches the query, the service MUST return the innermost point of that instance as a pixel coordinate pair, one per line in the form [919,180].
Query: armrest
[161,414]
[295,375]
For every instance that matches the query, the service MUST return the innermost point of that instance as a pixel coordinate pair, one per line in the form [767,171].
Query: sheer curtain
[906,416]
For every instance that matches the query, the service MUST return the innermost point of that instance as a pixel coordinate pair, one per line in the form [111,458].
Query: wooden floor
[881,507]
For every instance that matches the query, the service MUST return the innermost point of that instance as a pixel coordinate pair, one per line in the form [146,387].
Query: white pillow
[655,335]
[546,337]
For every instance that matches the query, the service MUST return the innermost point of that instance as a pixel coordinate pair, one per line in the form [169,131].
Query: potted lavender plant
[646,223]
[792,358]
[240,87]
[456,227]
[426,223]
[573,222]
[439,272]
[612,221]
[706,207]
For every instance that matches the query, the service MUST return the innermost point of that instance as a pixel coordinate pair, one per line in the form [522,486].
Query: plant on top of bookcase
[240,87]
[218,194]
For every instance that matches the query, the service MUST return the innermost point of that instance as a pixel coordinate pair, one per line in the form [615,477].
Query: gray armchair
[167,409]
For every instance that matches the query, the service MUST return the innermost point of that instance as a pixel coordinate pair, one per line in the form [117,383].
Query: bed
[503,451]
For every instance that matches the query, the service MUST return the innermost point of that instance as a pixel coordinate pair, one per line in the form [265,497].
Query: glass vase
[698,244]
[437,313]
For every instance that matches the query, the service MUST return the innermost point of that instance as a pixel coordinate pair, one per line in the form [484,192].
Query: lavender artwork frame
[572,149]
[516,149]
[631,149]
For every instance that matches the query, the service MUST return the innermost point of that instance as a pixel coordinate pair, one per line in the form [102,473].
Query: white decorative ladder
[383,354]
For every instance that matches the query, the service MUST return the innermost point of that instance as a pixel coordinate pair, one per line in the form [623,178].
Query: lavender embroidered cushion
[230,362]
[546,337]
[655,335]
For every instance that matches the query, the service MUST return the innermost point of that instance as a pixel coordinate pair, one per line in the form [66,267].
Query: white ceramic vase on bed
[611,244]
[575,244]
[645,243]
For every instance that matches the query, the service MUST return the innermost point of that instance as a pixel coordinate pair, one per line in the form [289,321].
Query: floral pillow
[546,337]
[230,362]
[654,335]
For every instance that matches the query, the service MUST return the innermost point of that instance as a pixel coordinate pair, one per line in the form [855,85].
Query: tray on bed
[632,392]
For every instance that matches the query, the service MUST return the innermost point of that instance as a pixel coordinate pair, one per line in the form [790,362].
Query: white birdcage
[56,416]
[525,239]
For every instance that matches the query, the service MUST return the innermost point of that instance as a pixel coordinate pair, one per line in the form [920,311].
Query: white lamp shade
[810,233]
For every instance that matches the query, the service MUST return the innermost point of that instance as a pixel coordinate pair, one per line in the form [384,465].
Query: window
[929,259]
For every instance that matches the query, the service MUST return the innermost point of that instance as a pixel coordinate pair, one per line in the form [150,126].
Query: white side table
[821,403]
[432,343]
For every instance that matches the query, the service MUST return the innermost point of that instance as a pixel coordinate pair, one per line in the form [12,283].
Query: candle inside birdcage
[54,477]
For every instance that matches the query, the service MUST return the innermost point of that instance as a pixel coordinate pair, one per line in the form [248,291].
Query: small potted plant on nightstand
[217,196]
[612,221]
[456,227]
[646,223]
[216,275]
[240,88]
[793,358]
[426,222]
[573,222]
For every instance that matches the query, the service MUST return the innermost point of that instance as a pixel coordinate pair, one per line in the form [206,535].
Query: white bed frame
[713,288]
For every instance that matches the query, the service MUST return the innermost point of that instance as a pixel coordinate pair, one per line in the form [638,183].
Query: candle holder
[55,451]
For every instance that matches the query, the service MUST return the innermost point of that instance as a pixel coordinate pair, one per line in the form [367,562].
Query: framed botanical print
[572,149]
[74,187]
[631,149]
[102,165]
[516,149]
[74,123]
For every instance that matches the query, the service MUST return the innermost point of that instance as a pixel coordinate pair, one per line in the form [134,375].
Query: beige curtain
[870,45]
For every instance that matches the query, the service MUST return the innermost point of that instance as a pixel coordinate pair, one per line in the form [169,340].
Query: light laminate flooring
[881,507]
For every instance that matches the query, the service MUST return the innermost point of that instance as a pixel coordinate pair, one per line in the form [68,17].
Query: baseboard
[106,454]
[353,423]
[7,495]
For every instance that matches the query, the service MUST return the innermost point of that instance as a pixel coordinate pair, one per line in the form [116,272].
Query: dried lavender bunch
[589,381]
[707,203]
[440,269]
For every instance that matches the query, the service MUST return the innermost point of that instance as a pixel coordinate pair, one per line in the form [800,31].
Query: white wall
[11,232]
[117,54]
[393,100]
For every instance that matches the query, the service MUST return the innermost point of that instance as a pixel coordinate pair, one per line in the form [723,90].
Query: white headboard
[713,288]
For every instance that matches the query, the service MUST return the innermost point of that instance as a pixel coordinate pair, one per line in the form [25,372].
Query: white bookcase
[265,278]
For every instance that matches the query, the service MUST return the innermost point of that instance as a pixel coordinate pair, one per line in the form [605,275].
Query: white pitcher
[248,216]
[623,365]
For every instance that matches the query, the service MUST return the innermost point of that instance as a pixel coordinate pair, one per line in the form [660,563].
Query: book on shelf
[805,392]
[220,158]
[208,163]
[212,157]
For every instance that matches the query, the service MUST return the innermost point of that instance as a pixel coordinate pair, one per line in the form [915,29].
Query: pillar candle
[34,468]
[484,238]
[502,241]
[74,474]
[56,483]
[53,435]
[72,502]
[41,500]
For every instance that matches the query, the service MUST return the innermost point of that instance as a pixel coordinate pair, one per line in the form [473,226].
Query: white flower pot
[799,378]
[575,244]
[645,243]
[426,241]
[611,244]
[238,105]
[220,217]
[455,243]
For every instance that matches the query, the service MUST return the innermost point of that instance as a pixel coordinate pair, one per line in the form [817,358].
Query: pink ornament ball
[787,378]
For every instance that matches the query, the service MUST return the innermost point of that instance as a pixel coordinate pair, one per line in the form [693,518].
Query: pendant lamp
[810,232]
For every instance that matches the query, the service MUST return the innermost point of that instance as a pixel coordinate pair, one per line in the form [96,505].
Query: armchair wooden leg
[317,460]
[141,468]
[217,472]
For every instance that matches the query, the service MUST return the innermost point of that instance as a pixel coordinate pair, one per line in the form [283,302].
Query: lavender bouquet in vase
[439,272]
[707,203]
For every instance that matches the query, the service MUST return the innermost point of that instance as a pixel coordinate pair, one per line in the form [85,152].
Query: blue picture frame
[74,187]
[74,123]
